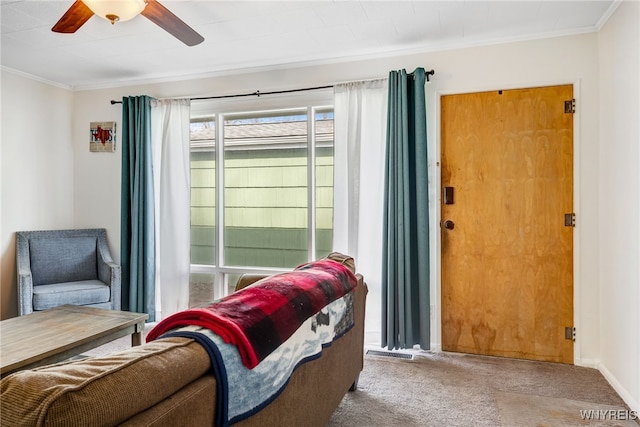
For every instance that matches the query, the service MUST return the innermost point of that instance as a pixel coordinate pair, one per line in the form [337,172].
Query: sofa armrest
[248,279]
[105,390]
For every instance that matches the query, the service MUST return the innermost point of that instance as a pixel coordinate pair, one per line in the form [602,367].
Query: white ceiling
[269,34]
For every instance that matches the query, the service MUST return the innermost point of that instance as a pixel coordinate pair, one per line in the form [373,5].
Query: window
[267,178]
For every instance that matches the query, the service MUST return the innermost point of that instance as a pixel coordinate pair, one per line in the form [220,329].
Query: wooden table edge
[134,327]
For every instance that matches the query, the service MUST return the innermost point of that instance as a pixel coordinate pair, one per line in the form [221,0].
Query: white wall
[37,168]
[96,176]
[619,228]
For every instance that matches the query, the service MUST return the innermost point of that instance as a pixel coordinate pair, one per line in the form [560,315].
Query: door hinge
[570,333]
[570,106]
[570,219]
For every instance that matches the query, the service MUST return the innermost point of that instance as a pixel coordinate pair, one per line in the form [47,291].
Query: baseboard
[633,404]
[624,394]
[588,363]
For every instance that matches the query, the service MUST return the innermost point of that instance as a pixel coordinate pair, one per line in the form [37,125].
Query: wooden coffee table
[53,335]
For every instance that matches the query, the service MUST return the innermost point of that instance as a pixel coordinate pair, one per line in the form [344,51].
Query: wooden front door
[507,255]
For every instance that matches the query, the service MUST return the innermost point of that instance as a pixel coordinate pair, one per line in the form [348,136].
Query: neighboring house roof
[260,135]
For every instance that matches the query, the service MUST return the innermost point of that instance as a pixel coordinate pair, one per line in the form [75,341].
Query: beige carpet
[444,389]
[522,410]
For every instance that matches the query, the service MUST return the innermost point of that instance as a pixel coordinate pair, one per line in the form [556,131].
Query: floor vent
[390,354]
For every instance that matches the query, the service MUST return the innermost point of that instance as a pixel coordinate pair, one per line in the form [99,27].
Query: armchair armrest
[25,291]
[110,273]
[25,278]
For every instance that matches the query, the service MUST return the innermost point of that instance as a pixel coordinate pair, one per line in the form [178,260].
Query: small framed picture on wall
[103,137]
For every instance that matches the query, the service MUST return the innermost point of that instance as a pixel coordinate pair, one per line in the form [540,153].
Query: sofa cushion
[83,292]
[104,390]
[63,259]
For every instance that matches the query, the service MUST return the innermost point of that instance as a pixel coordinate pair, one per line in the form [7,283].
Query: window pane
[231,280]
[266,190]
[324,182]
[201,289]
[203,192]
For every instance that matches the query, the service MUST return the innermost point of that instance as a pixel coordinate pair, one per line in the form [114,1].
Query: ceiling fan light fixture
[116,10]
[122,10]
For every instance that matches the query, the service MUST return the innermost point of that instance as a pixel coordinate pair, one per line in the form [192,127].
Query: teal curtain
[137,237]
[405,264]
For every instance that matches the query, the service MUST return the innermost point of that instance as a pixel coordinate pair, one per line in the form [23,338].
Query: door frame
[436,279]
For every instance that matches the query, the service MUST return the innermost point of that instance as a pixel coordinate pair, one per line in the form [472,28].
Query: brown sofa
[168,382]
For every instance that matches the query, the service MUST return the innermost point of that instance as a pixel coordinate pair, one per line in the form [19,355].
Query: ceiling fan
[120,10]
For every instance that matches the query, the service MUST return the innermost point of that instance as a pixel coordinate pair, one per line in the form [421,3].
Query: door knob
[449,225]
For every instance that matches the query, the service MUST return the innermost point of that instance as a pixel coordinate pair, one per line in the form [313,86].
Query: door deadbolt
[447,195]
[449,225]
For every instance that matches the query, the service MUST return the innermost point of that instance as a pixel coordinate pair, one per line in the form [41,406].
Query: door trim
[436,279]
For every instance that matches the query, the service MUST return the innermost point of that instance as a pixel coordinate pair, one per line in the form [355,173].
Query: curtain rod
[258,93]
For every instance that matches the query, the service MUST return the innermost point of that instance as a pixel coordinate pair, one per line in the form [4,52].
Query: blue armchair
[65,267]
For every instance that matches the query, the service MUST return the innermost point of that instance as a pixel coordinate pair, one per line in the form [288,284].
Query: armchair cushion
[81,292]
[63,259]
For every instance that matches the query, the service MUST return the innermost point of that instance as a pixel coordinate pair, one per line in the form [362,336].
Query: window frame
[311,102]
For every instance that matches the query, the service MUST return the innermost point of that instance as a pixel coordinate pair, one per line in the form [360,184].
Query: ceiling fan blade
[73,18]
[164,18]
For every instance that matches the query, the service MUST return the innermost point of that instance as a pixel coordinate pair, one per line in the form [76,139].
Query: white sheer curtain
[171,176]
[360,119]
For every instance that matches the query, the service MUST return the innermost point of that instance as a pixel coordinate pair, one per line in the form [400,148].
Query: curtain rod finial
[429,73]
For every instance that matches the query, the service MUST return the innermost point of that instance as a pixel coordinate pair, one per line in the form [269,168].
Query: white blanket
[241,391]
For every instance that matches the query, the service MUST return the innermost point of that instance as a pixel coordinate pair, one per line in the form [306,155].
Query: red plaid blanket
[259,318]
